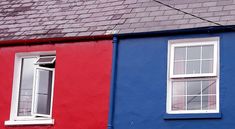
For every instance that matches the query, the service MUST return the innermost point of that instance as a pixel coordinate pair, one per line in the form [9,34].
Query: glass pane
[207,66]
[178,88]
[25,108]
[193,102]
[44,91]
[178,103]
[47,59]
[207,52]
[194,52]
[180,53]
[43,104]
[209,102]
[193,67]
[179,68]
[26,87]
[209,87]
[193,87]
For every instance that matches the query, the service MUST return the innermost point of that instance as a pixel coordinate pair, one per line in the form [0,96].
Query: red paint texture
[81,91]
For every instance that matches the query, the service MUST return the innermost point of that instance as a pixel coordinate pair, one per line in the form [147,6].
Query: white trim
[215,75]
[16,85]
[194,75]
[30,122]
[32,54]
[194,40]
[15,89]
[192,111]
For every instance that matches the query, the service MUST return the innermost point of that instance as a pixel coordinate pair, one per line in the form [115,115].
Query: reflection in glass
[207,52]
[179,67]
[44,91]
[178,103]
[194,88]
[193,67]
[178,88]
[180,53]
[207,66]
[209,102]
[194,91]
[194,52]
[208,87]
[193,102]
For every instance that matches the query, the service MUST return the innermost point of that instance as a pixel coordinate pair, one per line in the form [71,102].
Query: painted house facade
[174,81]
[116,64]
[33,83]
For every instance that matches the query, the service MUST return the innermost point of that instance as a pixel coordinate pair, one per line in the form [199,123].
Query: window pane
[193,87]
[209,87]
[193,67]
[193,102]
[43,104]
[44,85]
[178,103]
[207,66]
[194,52]
[207,52]
[179,68]
[209,102]
[178,88]
[180,53]
[26,87]
[24,108]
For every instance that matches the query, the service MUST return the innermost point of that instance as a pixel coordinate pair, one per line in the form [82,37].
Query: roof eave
[200,30]
[56,40]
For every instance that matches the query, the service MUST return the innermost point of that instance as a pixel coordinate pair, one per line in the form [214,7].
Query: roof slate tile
[28,19]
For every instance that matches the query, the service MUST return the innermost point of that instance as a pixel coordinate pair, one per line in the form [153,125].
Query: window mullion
[200,60]
[201,93]
[186,96]
[186,61]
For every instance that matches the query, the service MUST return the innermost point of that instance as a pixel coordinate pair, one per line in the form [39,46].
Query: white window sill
[29,122]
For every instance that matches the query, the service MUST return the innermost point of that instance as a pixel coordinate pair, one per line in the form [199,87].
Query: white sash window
[193,76]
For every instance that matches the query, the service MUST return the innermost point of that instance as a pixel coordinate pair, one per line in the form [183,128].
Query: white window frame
[171,77]
[49,62]
[35,90]
[27,120]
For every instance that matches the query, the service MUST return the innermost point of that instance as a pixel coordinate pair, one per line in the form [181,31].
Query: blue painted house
[174,79]
[176,70]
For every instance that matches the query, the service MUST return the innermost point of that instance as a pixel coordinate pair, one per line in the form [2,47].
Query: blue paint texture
[141,81]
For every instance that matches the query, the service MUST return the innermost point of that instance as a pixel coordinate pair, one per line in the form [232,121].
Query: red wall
[82,79]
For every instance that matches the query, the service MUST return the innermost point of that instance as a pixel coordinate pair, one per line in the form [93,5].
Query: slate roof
[33,19]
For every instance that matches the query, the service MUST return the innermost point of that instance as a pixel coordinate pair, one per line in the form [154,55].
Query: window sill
[193,116]
[29,122]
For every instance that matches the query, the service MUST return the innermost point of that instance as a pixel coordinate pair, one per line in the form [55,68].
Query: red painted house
[77,87]
[56,56]
[57,70]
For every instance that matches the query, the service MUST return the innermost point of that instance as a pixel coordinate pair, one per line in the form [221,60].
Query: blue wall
[141,80]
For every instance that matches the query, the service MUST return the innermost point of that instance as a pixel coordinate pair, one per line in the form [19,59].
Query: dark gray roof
[30,19]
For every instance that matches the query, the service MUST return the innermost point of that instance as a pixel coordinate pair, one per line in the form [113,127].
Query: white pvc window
[193,80]
[46,60]
[43,91]
[32,89]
